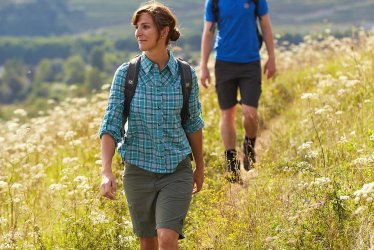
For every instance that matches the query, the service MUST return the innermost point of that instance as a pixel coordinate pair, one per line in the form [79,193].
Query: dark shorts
[158,200]
[233,76]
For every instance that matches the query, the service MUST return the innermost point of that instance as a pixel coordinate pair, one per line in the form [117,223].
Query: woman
[158,177]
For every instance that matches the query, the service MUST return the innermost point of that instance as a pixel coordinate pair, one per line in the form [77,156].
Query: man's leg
[250,124]
[228,134]
[227,128]
[167,239]
[148,243]
[250,121]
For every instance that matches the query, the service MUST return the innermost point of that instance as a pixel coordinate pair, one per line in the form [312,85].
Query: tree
[97,58]
[44,72]
[15,84]
[74,70]
[94,79]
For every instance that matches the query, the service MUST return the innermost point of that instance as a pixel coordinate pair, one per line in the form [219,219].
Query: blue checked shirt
[156,139]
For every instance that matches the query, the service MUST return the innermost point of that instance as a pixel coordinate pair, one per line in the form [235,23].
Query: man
[237,66]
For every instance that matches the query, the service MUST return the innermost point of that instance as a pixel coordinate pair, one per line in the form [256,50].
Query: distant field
[118,13]
[285,14]
[292,16]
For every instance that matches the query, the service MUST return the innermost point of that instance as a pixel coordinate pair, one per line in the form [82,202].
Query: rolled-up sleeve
[113,116]
[195,121]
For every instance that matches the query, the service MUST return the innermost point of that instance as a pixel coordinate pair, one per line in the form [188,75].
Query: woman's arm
[108,181]
[196,143]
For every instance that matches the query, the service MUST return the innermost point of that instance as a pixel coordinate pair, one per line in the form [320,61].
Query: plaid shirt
[156,140]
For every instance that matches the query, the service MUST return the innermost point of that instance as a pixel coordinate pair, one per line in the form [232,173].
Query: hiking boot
[249,155]
[232,171]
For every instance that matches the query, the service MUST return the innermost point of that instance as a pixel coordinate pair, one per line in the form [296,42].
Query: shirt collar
[172,64]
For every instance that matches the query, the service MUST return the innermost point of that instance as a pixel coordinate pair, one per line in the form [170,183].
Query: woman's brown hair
[162,16]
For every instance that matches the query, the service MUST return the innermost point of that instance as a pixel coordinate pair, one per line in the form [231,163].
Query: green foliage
[44,72]
[93,79]
[74,70]
[97,58]
[15,83]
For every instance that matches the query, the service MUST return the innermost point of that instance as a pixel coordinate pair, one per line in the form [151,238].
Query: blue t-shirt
[236,39]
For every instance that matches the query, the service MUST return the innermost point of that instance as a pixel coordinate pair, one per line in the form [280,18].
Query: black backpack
[131,82]
[215,10]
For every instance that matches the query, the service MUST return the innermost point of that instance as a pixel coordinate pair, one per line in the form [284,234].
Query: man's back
[236,39]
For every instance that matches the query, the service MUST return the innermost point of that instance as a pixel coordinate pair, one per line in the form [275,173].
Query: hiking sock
[249,155]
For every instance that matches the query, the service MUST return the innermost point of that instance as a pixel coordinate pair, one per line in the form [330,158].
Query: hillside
[313,187]
[41,17]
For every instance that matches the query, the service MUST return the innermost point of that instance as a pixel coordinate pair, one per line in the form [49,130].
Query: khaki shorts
[158,200]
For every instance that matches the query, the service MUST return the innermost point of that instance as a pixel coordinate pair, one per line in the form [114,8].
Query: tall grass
[313,187]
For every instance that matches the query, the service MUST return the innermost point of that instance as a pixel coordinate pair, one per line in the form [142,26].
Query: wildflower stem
[319,141]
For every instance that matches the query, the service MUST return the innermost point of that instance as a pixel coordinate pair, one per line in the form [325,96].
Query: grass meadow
[313,187]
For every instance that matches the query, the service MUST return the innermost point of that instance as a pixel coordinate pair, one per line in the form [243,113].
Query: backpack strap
[131,81]
[259,35]
[186,84]
[215,11]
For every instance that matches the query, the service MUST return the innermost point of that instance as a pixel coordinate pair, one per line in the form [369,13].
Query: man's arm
[108,181]
[269,68]
[206,48]
[196,143]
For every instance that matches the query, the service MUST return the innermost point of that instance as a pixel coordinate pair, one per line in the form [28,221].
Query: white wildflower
[344,197]
[320,181]
[3,220]
[341,92]
[305,145]
[56,187]
[3,185]
[343,140]
[320,111]
[105,86]
[51,101]
[98,162]
[363,161]
[371,138]
[16,200]
[80,179]
[75,143]
[351,83]
[73,87]
[309,96]
[69,135]
[125,239]
[312,154]
[20,112]
[16,186]
[68,160]
[359,210]
[360,150]
[98,218]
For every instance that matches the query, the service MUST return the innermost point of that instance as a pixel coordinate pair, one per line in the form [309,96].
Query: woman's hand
[108,185]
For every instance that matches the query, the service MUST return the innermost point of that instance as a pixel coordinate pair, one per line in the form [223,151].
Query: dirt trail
[237,192]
